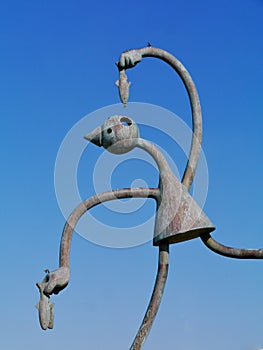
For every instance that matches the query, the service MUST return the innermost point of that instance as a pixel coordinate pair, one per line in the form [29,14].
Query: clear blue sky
[57,65]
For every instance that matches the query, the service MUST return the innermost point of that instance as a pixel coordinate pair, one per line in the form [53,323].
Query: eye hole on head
[109,131]
[126,121]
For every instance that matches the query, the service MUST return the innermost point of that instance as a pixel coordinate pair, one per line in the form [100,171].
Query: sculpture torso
[178,216]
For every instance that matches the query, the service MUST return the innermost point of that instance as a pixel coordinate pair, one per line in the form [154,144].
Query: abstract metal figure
[178,217]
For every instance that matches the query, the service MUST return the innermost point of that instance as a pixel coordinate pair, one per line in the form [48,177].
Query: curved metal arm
[231,252]
[163,251]
[64,258]
[129,59]
[58,279]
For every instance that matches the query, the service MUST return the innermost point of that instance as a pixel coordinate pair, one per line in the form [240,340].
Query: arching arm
[58,279]
[64,259]
[163,259]
[129,59]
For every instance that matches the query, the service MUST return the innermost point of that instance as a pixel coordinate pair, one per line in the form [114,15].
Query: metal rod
[231,252]
[129,59]
[65,244]
[156,298]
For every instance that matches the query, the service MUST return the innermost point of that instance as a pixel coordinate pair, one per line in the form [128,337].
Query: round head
[118,134]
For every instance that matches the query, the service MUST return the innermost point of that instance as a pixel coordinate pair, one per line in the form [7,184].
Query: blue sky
[57,65]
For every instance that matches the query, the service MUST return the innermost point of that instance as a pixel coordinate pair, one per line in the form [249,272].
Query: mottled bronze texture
[178,217]
[123,86]
[229,252]
[46,309]
[130,58]
[156,298]
[83,207]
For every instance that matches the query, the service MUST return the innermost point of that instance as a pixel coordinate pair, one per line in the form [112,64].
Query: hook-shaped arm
[130,58]
[163,262]
[64,258]
[57,280]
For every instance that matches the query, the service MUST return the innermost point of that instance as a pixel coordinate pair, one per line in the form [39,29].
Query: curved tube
[130,58]
[57,280]
[231,252]
[156,298]
[64,257]
[163,251]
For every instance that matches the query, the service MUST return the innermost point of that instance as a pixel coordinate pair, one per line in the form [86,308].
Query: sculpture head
[118,134]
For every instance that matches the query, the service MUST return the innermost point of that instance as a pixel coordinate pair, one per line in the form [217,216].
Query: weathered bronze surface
[178,217]
[46,309]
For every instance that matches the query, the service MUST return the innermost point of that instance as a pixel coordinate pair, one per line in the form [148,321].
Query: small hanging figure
[45,308]
[124,87]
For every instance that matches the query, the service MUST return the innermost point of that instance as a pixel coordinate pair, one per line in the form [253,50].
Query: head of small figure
[118,135]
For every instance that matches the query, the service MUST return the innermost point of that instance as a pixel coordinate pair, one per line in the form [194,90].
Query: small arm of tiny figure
[45,309]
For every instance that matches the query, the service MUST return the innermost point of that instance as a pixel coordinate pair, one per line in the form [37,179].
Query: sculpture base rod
[155,299]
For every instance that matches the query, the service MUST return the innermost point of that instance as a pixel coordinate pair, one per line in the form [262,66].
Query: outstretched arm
[231,252]
[58,279]
[64,259]
[129,59]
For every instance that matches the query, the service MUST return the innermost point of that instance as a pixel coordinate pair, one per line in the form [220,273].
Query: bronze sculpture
[178,217]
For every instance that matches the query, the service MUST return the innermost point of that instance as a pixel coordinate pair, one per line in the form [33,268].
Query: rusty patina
[178,217]
[129,59]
